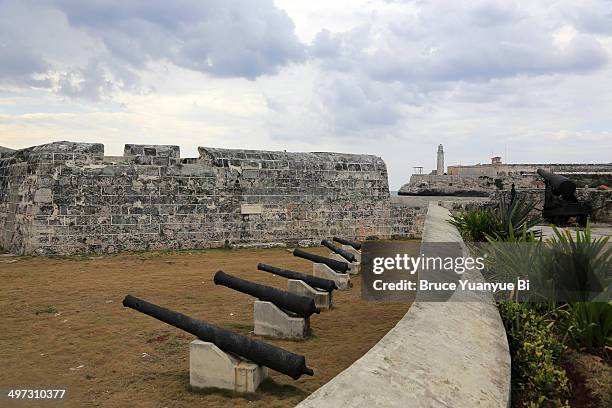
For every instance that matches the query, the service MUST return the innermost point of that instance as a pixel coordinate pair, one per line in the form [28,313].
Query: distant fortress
[495,178]
[480,180]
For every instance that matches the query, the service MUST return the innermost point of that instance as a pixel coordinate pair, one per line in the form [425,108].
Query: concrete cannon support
[353,251]
[323,300]
[271,321]
[211,367]
[354,267]
[343,280]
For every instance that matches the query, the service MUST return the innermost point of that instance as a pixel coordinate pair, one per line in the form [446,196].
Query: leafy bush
[581,269]
[537,374]
[514,217]
[562,266]
[504,221]
[582,264]
[589,326]
[474,226]
[510,258]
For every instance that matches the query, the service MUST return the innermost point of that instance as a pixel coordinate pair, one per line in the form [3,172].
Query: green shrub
[510,258]
[583,263]
[589,326]
[475,225]
[537,374]
[562,266]
[504,221]
[515,217]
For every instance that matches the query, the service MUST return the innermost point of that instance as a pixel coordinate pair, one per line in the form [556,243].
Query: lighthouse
[440,164]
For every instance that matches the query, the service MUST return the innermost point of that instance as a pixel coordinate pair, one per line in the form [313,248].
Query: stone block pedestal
[211,367]
[343,280]
[323,299]
[354,267]
[353,251]
[273,322]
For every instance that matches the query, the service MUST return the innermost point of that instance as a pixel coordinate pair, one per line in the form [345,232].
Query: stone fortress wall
[65,198]
[481,180]
[496,179]
[493,180]
[497,168]
[470,185]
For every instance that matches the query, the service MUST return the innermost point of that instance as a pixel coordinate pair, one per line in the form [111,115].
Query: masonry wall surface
[66,198]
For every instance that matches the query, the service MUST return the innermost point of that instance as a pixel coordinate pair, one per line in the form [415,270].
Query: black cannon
[345,254]
[313,281]
[300,305]
[337,266]
[560,202]
[259,352]
[344,241]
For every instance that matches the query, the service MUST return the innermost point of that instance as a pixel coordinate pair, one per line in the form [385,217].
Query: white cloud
[392,78]
[112,42]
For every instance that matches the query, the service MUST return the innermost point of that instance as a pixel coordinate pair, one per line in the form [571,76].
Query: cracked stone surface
[66,198]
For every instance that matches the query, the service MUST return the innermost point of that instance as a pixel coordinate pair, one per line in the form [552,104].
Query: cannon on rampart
[560,201]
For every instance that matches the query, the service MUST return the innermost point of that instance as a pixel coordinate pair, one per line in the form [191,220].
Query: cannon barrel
[344,241]
[345,254]
[300,305]
[561,185]
[314,281]
[338,266]
[278,359]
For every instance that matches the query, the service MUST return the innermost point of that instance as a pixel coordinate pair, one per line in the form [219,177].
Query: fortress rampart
[65,198]
[484,185]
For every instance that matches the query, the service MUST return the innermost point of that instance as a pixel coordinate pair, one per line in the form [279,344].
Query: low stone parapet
[451,354]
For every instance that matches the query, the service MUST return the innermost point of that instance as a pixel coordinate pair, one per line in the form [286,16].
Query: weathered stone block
[43,195]
[354,267]
[353,251]
[323,299]
[152,150]
[273,322]
[211,367]
[343,280]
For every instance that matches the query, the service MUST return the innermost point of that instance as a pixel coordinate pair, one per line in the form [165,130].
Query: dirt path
[63,326]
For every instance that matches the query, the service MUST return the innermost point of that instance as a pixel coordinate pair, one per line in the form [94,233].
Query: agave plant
[507,220]
[582,266]
[512,257]
[475,225]
[590,325]
[514,217]
[575,271]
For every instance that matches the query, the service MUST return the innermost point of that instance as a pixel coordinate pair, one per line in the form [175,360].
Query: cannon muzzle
[314,281]
[561,185]
[337,266]
[300,305]
[344,241]
[345,254]
[276,358]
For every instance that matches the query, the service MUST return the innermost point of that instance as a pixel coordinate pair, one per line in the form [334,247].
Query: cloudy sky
[527,80]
